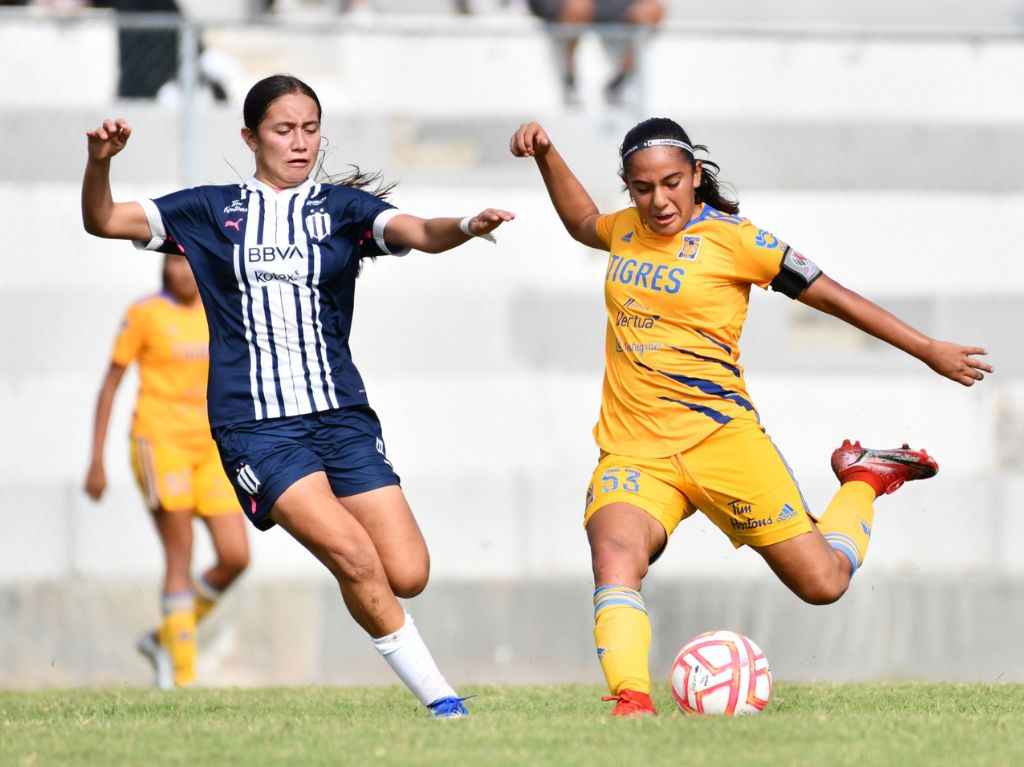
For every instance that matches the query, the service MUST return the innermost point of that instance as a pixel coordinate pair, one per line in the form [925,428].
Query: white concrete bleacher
[513,319]
[485,363]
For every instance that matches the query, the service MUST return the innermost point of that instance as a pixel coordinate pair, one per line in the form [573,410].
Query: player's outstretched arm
[955,362]
[573,204]
[100,214]
[96,478]
[436,235]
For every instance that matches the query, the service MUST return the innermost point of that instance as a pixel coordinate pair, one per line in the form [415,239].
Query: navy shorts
[264,458]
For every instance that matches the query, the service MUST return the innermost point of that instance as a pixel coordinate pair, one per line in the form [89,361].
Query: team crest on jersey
[318,224]
[691,246]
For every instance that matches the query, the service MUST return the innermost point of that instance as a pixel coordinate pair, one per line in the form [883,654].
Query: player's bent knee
[408,571]
[408,588]
[612,558]
[823,590]
[409,580]
[234,563]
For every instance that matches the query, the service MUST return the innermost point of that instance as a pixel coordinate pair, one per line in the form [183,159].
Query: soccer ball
[721,672]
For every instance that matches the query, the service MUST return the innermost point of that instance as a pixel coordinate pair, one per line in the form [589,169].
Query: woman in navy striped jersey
[276,259]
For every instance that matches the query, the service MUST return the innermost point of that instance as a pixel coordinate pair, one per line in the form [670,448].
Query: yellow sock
[178,636]
[847,521]
[622,633]
[206,597]
[203,607]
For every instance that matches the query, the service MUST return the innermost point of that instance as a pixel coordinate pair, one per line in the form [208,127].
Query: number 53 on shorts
[636,481]
[623,477]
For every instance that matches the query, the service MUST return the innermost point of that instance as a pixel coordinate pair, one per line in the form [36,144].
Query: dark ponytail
[709,191]
[267,91]
[373,183]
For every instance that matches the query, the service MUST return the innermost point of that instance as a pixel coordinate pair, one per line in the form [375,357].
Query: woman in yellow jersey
[677,429]
[175,461]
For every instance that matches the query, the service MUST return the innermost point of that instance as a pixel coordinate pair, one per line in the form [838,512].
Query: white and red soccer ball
[721,672]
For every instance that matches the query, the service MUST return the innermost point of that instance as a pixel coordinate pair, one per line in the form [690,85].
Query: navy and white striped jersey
[276,272]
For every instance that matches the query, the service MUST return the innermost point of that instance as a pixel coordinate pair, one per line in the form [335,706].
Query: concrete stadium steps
[945,262]
[509,66]
[766,152]
[944,14]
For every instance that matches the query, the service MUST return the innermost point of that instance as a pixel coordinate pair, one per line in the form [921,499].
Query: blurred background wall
[881,139]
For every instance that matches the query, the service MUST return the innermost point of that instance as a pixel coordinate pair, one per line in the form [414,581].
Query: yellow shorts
[736,476]
[175,478]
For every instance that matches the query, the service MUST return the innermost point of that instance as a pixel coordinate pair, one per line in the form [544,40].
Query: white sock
[408,656]
[204,590]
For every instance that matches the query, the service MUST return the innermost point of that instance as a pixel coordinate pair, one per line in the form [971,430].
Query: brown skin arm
[102,216]
[436,235]
[955,362]
[572,202]
[96,478]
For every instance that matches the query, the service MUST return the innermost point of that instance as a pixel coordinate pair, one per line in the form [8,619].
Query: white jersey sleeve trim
[156,227]
[378,232]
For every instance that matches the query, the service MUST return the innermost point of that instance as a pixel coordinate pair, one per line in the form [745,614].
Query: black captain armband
[795,275]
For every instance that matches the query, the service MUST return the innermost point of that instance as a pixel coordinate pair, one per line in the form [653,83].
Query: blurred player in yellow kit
[677,430]
[175,461]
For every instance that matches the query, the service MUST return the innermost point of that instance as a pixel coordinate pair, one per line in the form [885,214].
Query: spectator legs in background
[148,59]
[642,12]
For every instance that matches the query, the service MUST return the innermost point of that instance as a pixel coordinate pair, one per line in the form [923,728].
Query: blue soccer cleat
[448,708]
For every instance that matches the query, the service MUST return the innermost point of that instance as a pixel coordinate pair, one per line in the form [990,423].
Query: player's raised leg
[311,513]
[818,566]
[385,515]
[623,538]
[865,474]
[809,567]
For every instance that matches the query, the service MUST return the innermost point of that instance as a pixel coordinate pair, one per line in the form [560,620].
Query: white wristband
[464,227]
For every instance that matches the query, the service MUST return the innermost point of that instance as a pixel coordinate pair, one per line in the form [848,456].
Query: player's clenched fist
[108,139]
[530,140]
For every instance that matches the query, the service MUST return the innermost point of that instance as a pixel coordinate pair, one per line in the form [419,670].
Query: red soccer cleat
[632,703]
[888,469]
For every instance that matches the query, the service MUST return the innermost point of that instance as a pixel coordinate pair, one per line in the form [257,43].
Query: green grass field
[904,724]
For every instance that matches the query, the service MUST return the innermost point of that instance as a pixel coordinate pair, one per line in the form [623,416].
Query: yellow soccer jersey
[170,341]
[676,307]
